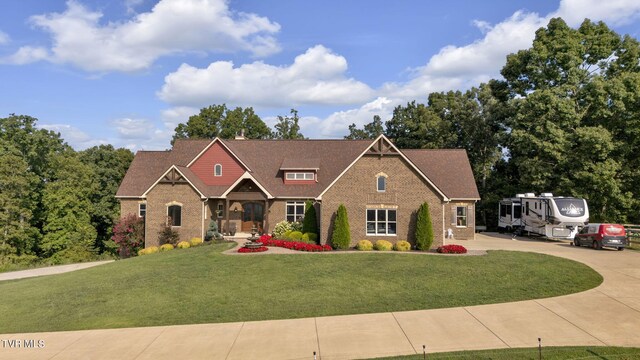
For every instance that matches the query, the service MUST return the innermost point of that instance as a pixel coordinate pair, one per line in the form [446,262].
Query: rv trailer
[553,217]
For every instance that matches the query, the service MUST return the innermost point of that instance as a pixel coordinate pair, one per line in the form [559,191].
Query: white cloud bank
[172,26]
[315,77]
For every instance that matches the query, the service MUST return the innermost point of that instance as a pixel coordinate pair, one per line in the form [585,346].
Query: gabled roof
[448,170]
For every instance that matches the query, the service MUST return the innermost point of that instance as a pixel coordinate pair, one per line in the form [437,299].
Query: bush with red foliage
[452,249]
[267,240]
[253,250]
[128,234]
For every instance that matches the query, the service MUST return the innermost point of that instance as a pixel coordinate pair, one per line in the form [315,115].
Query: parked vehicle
[602,235]
[552,217]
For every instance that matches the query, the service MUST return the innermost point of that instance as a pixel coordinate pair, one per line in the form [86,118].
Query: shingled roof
[266,158]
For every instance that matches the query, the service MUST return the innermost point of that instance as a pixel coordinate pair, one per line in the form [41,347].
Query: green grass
[550,353]
[201,285]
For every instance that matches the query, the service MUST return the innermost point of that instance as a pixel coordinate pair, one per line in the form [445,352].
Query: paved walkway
[50,270]
[606,315]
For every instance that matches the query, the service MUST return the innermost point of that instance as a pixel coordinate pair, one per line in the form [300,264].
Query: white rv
[553,217]
[510,214]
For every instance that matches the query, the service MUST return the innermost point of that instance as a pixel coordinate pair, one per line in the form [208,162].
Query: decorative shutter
[453,215]
[470,216]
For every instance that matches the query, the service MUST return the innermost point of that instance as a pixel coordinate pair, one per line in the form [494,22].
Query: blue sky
[126,72]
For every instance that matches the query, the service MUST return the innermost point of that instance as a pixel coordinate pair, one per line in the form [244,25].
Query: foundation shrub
[383,245]
[402,245]
[183,245]
[166,247]
[195,241]
[364,245]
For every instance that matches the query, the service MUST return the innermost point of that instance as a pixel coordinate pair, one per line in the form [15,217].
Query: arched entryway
[252,215]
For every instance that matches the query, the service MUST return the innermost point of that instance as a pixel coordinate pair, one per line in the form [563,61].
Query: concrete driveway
[606,315]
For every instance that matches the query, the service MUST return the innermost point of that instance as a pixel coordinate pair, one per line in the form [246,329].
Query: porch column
[226,209]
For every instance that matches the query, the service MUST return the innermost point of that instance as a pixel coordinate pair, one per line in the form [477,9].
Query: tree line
[565,118]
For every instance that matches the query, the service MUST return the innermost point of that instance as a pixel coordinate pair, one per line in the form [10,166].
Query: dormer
[300,171]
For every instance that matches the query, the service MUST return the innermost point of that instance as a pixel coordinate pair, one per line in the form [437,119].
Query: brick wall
[460,232]
[157,200]
[357,190]
[129,206]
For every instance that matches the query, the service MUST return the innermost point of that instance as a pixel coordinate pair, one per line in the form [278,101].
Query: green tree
[17,236]
[370,131]
[68,206]
[310,223]
[574,96]
[287,127]
[218,120]
[341,236]
[417,126]
[424,228]
[109,166]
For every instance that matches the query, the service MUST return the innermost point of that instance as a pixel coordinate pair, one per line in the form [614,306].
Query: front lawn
[201,285]
[550,353]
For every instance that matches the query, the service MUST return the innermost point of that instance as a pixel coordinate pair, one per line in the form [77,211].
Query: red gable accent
[217,154]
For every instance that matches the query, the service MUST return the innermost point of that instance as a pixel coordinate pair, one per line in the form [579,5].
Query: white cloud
[172,26]
[336,124]
[617,12]
[4,38]
[25,55]
[128,128]
[75,137]
[316,77]
[131,5]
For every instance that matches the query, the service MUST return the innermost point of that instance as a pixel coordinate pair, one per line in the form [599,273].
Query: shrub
[310,238]
[364,245]
[73,254]
[128,235]
[167,235]
[296,226]
[142,252]
[152,250]
[281,228]
[166,247]
[295,235]
[184,245]
[382,245]
[310,222]
[452,249]
[341,237]
[195,241]
[402,245]
[424,228]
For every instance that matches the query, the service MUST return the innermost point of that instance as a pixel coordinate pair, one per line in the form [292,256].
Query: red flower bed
[267,240]
[247,250]
[452,249]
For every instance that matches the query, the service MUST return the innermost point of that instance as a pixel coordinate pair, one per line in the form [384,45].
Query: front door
[252,215]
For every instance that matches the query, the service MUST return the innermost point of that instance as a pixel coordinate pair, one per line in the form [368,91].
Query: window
[220,210]
[300,176]
[461,216]
[142,209]
[174,212]
[295,210]
[381,221]
[382,183]
[517,211]
[217,170]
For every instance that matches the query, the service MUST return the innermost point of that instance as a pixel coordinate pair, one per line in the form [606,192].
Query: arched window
[174,214]
[217,170]
[382,183]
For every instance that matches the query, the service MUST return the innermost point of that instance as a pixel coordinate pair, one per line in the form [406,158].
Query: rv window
[503,210]
[509,209]
[517,211]
[527,208]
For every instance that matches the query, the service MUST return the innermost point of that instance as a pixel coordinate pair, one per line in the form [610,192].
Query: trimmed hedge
[364,245]
[424,228]
[402,245]
[382,245]
[183,245]
[310,222]
[341,237]
[166,247]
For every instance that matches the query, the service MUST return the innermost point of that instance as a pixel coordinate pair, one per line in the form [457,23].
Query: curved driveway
[606,315]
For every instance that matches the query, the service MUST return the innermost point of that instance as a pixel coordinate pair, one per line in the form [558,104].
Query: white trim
[215,173]
[246,175]
[444,197]
[145,208]
[174,203]
[204,216]
[299,169]
[464,199]
[366,220]
[129,197]
[224,145]
[144,195]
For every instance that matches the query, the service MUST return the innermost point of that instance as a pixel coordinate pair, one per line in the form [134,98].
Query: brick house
[245,183]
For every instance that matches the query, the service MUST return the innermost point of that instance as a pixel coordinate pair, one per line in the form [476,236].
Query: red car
[602,235]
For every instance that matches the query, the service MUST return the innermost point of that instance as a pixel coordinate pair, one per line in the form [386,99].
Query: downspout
[204,215]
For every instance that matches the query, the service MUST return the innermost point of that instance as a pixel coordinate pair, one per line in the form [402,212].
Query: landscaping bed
[201,285]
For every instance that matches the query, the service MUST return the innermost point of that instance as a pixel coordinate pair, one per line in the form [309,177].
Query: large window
[382,183]
[142,209]
[381,221]
[461,216]
[217,170]
[300,176]
[295,210]
[174,213]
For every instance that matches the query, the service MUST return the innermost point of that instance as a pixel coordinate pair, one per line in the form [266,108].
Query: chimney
[241,136]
